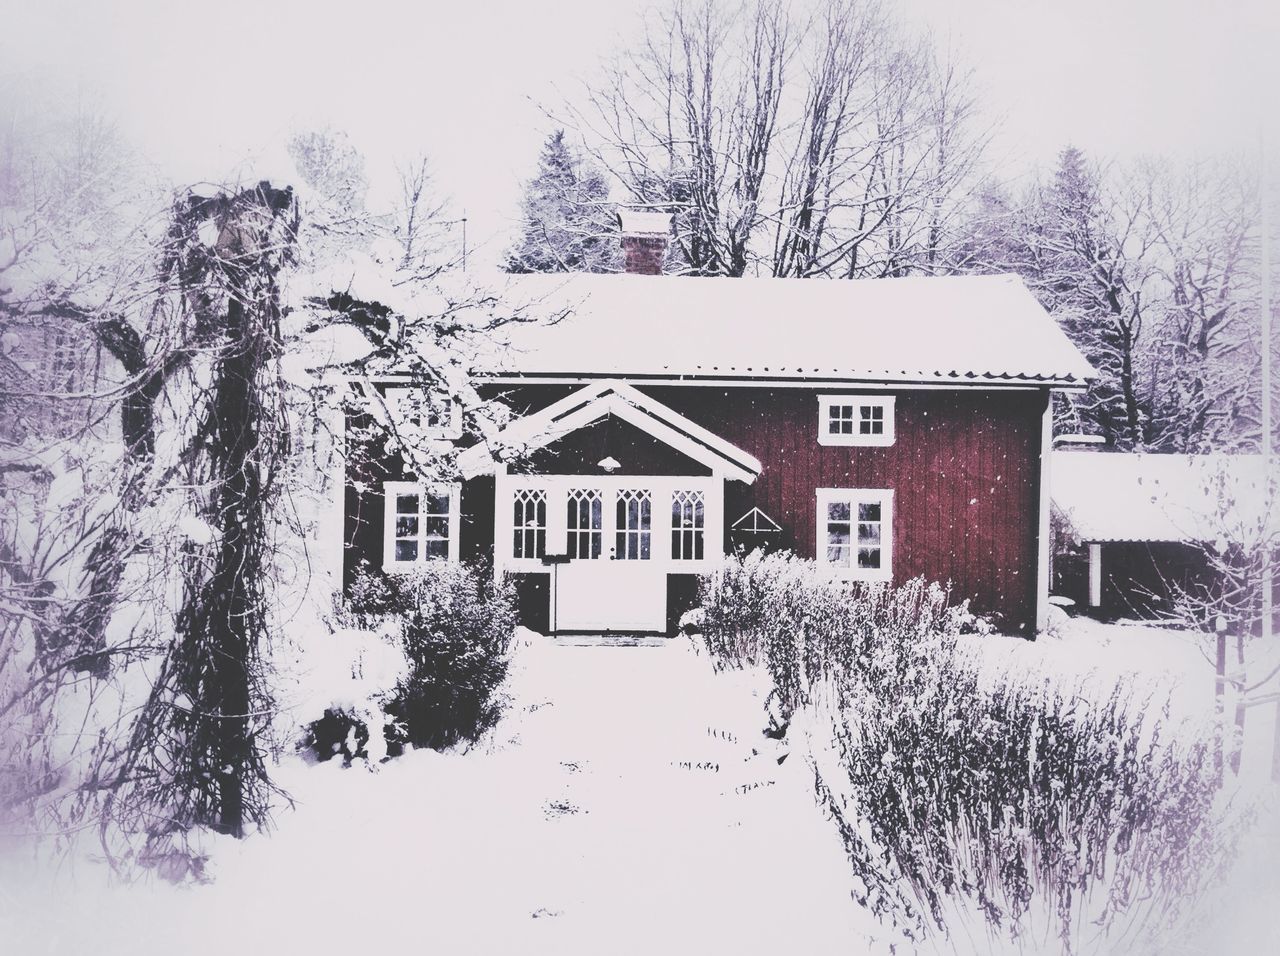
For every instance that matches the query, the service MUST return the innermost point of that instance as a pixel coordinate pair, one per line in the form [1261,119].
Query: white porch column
[558,515]
[501,520]
[713,537]
[1095,575]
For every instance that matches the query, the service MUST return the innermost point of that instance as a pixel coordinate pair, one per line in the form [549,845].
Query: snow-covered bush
[1013,802]
[350,676]
[802,623]
[455,625]
[1048,813]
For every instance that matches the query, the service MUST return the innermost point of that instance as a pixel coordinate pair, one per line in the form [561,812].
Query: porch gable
[595,402]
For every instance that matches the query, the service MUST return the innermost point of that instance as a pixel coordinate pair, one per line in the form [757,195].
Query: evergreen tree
[1092,284]
[1067,241]
[567,223]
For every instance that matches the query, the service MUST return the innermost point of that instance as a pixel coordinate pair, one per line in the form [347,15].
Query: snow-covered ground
[618,808]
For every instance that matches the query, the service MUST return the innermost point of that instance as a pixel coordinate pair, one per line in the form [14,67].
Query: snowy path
[620,812]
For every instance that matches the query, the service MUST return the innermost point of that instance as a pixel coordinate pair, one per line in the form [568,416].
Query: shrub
[337,732]
[798,620]
[346,677]
[455,626]
[953,792]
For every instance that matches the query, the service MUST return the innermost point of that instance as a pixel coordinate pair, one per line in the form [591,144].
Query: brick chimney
[645,236]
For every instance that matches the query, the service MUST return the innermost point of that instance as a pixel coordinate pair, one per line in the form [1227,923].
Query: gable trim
[758,526]
[597,401]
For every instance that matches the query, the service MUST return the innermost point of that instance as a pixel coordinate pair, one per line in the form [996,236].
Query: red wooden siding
[964,469]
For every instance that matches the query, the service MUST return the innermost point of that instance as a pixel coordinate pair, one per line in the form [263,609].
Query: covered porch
[607,506]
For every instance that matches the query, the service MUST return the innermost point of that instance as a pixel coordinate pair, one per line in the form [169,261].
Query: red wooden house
[890,428]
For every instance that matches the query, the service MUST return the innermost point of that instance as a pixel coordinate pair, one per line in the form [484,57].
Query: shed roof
[980,330]
[1113,496]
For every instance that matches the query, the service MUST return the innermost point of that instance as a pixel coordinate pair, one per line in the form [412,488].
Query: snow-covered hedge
[352,674]
[1012,804]
[454,624]
[802,623]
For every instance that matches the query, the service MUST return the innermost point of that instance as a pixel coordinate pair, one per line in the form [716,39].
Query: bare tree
[419,219]
[1238,542]
[1152,269]
[794,142]
[1204,379]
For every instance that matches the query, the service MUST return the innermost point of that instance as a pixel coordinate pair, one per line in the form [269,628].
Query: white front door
[612,581]
[614,540]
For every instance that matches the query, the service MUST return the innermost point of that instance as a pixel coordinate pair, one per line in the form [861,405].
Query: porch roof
[591,404]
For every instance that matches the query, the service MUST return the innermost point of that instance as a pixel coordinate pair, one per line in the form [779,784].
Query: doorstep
[610,640]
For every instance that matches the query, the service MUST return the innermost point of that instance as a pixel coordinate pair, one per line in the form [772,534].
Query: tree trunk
[1220,690]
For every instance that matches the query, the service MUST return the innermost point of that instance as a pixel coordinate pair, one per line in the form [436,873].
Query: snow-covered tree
[1152,271]
[142,565]
[566,221]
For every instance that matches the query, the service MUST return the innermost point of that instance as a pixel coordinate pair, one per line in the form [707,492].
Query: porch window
[585,523]
[855,420]
[688,525]
[855,532]
[634,527]
[420,524]
[530,524]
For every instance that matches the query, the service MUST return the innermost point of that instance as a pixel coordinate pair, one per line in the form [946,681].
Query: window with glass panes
[688,525]
[530,524]
[585,523]
[420,521]
[634,525]
[856,420]
[854,531]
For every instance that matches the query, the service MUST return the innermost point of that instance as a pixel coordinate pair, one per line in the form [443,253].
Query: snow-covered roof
[633,222]
[956,329]
[1110,496]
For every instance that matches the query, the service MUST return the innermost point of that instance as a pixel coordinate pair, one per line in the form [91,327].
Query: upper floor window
[855,532]
[421,524]
[855,420]
[436,415]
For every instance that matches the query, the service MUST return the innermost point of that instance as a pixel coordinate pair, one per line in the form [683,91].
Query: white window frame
[577,534]
[396,395]
[695,501]
[390,490]
[885,403]
[855,497]
[662,489]
[528,528]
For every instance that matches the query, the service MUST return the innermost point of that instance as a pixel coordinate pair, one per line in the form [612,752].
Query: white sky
[198,85]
